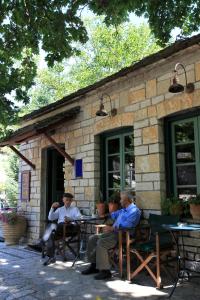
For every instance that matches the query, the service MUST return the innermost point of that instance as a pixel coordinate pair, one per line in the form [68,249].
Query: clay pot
[101,209]
[176,209]
[13,232]
[195,211]
[112,207]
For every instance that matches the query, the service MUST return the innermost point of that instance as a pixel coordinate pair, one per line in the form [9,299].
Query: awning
[41,127]
[31,131]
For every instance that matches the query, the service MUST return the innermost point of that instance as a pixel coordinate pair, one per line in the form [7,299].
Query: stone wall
[142,100]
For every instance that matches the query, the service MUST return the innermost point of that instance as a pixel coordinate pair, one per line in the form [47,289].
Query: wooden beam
[23,157]
[59,149]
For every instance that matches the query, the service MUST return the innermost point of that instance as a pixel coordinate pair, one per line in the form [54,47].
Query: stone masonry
[142,100]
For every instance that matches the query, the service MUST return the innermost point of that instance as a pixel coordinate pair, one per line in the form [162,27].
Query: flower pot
[176,209]
[13,232]
[112,207]
[195,211]
[101,209]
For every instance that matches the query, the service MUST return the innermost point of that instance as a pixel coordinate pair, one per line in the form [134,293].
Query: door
[54,178]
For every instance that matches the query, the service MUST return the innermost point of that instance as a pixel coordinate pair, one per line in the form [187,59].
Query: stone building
[150,146]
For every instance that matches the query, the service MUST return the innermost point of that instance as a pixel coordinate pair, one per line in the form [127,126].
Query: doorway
[53,178]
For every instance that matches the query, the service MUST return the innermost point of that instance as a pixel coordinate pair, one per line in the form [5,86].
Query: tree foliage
[107,51]
[56,26]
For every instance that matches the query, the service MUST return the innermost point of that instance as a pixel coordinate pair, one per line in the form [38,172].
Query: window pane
[113,146]
[111,192]
[185,193]
[130,179]
[185,153]
[184,132]
[186,175]
[114,163]
[114,180]
[129,160]
[129,143]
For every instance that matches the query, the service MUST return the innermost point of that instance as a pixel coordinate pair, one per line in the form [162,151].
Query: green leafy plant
[168,204]
[194,199]
[9,216]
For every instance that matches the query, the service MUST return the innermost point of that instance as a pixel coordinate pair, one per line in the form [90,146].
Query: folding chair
[68,240]
[157,248]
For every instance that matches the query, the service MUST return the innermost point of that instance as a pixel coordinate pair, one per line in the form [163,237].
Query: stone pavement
[22,276]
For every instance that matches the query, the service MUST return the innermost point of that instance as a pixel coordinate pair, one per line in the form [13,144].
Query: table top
[88,218]
[182,227]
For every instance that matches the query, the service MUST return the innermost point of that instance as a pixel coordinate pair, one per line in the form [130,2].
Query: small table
[182,270]
[85,221]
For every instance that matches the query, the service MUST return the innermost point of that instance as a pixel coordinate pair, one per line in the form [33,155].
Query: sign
[25,185]
[78,168]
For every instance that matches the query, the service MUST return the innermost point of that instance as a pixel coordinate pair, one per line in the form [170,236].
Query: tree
[55,26]
[107,51]
[9,165]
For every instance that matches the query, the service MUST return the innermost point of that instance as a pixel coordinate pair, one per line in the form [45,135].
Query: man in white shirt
[64,214]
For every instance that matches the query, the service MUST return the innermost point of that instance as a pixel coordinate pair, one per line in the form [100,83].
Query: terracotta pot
[101,208]
[13,232]
[112,207]
[176,209]
[195,211]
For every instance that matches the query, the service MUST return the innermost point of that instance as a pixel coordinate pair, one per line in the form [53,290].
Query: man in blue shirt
[99,244]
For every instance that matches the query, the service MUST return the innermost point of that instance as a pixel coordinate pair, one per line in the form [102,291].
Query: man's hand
[55,205]
[67,220]
[108,228]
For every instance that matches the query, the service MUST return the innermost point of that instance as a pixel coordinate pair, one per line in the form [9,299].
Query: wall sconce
[102,112]
[176,87]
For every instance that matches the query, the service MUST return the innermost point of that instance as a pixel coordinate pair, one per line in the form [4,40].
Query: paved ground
[22,276]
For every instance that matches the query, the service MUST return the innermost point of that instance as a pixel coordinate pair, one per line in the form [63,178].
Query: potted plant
[114,202]
[14,226]
[101,205]
[194,203]
[172,206]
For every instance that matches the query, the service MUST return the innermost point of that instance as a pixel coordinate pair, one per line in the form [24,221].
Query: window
[185,156]
[119,163]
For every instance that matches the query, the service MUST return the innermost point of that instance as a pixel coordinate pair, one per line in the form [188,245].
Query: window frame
[104,158]
[170,165]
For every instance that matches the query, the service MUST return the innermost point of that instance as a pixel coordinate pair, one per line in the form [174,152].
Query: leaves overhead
[56,26]
[107,51]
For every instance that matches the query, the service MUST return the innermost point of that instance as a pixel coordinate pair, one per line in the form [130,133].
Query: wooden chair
[158,246]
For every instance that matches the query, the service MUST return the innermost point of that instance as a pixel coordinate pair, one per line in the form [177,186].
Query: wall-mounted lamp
[176,87]
[102,112]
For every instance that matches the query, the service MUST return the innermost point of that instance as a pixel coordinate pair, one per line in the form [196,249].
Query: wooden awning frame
[35,130]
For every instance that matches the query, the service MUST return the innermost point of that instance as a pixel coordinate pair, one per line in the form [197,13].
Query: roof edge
[162,54]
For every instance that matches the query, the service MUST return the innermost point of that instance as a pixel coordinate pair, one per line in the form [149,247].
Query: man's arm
[131,221]
[114,215]
[53,215]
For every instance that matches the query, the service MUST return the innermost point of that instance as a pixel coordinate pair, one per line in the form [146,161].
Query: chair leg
[158,278]
[120,254]
[144,264]
[128,269]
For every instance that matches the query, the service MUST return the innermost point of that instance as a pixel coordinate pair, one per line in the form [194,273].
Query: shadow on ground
[22,276]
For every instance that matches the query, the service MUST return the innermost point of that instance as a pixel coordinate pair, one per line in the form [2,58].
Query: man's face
[67,201]
[124,200]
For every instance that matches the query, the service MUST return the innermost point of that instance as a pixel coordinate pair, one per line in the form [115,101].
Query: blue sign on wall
[78,168]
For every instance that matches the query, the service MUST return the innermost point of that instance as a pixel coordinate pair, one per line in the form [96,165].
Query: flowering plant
[9,216]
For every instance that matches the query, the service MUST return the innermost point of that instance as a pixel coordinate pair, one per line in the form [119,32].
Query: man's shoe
[104,274]
[50,260]
[90,270]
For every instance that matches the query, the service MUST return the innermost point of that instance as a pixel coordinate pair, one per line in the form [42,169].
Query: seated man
[98,245]
[64,214]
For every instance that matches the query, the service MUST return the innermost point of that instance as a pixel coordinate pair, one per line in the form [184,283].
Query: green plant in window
[194,199]
[172,206]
